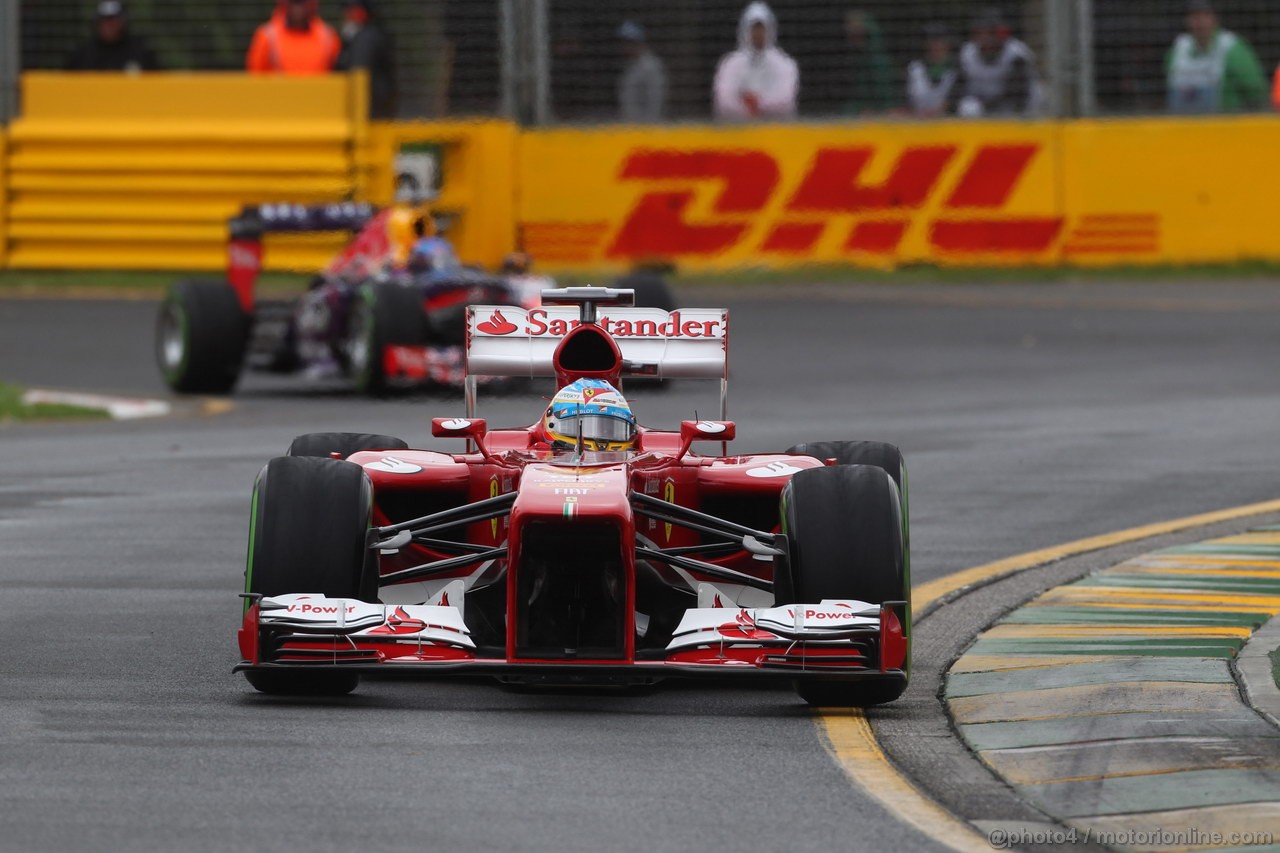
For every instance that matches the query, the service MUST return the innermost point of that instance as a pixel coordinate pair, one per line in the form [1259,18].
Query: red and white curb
[119,408]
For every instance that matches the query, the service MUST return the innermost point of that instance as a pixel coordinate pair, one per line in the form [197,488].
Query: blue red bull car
[554,564]
[386,312]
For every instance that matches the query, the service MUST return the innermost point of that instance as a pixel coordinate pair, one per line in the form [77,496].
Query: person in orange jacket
[294,41]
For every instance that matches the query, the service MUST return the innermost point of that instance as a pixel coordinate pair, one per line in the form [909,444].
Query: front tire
[846,537]
[878,453]
[201,335]
[307,535]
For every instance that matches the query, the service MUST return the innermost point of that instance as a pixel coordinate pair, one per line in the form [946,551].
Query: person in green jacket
[871,88]
[1212,70]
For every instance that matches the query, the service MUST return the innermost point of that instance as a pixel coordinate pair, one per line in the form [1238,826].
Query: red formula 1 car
[568,565]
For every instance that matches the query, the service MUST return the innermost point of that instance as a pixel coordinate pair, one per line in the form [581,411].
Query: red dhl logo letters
[660,223]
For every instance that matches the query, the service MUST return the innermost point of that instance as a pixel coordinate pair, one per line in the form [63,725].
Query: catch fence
[561,61]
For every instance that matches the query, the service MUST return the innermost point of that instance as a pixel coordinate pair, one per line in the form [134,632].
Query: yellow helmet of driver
[405,226]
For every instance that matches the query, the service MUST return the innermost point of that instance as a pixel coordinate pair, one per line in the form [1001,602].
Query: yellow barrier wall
[4,201]
[142,171]
[1171,191]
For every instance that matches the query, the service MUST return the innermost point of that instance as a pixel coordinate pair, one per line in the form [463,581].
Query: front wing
[831,641]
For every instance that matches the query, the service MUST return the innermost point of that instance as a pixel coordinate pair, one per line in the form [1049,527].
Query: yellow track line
[213,406]
[848,732]
[849,737]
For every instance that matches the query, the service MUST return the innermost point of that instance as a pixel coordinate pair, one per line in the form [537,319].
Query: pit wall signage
[873,195]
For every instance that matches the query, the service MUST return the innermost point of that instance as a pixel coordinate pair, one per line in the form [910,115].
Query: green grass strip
[13,409]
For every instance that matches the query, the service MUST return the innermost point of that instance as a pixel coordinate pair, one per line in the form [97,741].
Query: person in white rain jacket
[758,80]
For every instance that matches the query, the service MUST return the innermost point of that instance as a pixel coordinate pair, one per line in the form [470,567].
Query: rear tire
[652,290]
[201,335]
[846,538]
[307,535]
[344,443]
[383,314]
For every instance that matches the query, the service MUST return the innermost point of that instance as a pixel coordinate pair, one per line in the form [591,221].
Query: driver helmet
[407,225]
[594,410]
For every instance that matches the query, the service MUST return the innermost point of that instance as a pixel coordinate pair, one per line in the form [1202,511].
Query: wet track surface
[1028,416]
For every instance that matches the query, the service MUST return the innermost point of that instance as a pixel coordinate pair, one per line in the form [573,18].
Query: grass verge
[13,409]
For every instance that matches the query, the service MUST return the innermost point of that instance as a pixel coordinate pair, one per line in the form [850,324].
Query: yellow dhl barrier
[1089,192]
[776,195]
[1171,190]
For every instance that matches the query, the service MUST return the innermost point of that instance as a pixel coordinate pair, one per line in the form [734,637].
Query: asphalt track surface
[1029,416]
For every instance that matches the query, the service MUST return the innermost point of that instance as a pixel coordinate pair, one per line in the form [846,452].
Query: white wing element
[503,340]
[401,623]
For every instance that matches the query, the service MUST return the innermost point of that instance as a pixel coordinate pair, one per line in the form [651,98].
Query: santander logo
[497,325]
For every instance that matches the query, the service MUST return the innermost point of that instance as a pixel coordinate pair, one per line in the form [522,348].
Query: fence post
[1086,93]
[508,60]
[10,59]
[1057,52]
[540,60]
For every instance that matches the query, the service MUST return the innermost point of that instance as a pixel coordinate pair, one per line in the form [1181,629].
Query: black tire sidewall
[310,520]
[844,531]
[215,332]
[344,443]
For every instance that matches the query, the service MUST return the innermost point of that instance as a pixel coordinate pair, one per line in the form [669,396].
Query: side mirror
[691,431]
[471,428]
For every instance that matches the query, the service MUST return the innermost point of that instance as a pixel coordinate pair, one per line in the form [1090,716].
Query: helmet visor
[597,428]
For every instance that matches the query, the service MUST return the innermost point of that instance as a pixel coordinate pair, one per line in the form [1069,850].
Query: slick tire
[383,314]
[652,290]
[201,335]
[307,534]
[877,453]
[342,443]
[846,538]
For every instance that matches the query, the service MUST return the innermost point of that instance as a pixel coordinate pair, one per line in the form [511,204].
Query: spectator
[758,80]
[870,69]
[1212,70]
[112,47]
[931,79]
[294,41]
[997,71]
[642,88]
[365,44]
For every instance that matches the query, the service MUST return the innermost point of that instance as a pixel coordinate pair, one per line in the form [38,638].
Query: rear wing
[686,343]
[256,220]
